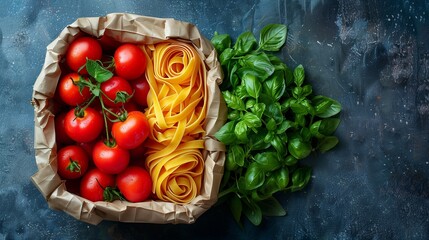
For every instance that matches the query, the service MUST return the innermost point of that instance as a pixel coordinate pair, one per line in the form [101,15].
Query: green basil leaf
[283,137]
[314,129]
[275,86]
[282,177]
[252,84]
[277,143]
[244,70]
[258,196]
[269,137]
[241,93]
[298,148]
[221,42]
[252,211]
[271,207]
[271,124]
[98,72]
[234,115]
[236,207]
[251,120]
[278,64]
[289,76]
[268,161]
[270,186]
[298,108]
[230,163]
[254,176]
[233,78]
[307,90]
[321,104]
[300,120]
[285,105]
[297,92]
[238,154]
[258,62]
[226,55]
[225,85]
[256,140]
[299,75]
[235,157]
[325,107]
[241,185]
[272,37]
[305,134]
[245,43]
[329,125]
[285,125]
[233,101]
[226,134]
[300,178]
[258,109]
[241,131]
[250,103]
[327,143]
[324,127]
[307,104]
[274,111]
[290,160]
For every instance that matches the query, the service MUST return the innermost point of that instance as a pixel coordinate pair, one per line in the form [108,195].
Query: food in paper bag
[152,158]
[177,110]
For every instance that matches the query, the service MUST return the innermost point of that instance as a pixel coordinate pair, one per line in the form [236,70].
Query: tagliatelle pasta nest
[185,110]
[177,110]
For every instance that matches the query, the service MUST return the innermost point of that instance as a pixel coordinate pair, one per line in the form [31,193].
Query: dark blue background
[372,56]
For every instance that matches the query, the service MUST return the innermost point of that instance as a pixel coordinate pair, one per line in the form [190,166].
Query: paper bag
[140,30]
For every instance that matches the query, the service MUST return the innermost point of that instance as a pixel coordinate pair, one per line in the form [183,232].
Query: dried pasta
[176,113]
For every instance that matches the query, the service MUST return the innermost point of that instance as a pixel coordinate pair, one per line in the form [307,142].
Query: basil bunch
[274,121]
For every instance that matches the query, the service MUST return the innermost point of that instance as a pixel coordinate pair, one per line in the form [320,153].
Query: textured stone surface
[372,56]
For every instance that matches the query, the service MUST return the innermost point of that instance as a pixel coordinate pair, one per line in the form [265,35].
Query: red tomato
[111,160]
[72,162]
[132,132]
[70,93]
[94,183]
[86,128]
[60,132]
[134,183]
[113,86]
[130,61]
[81,49]
[141,89]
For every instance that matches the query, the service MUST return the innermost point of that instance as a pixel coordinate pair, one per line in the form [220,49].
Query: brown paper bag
[140,30]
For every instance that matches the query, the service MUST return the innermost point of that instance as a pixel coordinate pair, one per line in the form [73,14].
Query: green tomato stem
[107,96]
[89,102]
[103,109]
[73,166]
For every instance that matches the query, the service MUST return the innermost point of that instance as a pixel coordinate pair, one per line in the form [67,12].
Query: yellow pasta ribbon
[176,113]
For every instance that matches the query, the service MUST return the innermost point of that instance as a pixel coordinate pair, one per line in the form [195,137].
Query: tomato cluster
[100,123]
